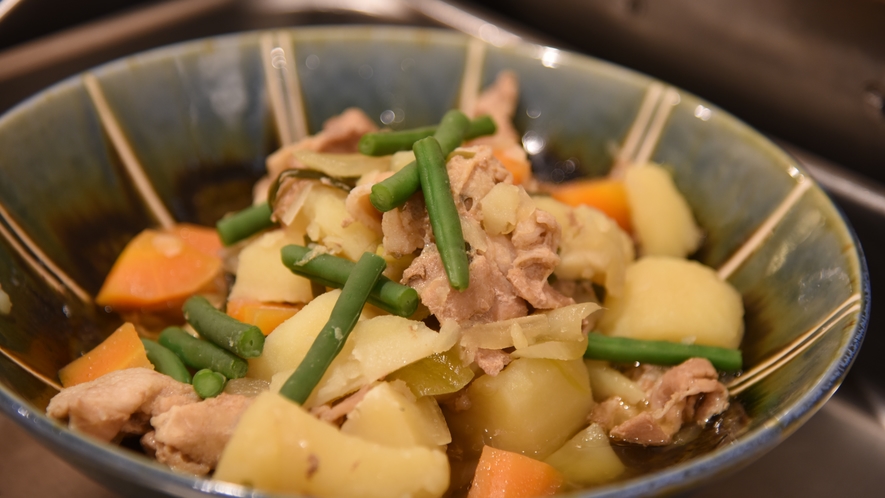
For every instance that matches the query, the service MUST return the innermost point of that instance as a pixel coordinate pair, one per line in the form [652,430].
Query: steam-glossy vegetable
[279,447]
[676,300]
[532,407]
[329,342]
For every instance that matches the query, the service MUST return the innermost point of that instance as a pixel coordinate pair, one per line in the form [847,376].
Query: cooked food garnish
[387,142]
[120,350]
[333,271]
[331,339]
[454,128]
[244,340]
[442,212]
[514,343]
[626,350]
[243,224]
[197,353]
[208,384]
[165,361]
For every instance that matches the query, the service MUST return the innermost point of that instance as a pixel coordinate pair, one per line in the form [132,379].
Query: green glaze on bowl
[198,118]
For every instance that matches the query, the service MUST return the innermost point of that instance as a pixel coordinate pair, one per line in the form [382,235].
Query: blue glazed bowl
[197,117]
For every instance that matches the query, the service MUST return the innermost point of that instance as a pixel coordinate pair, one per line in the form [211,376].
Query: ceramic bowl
[198,119]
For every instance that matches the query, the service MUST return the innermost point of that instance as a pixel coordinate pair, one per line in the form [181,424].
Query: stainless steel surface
[839,451]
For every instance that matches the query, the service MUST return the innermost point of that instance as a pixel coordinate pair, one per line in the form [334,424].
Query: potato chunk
[279,447]
[321,211]
[593,247]
[375,348]
[672,299]
[261,275]
[587,458]
[607,382]
[504,207]
[390,414]
[286,346]
[662,220]
[532,407]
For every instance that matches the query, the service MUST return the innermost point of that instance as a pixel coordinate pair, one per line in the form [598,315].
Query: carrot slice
[122,349]
[608,196]
[265,316]
[157,270]
[505,474]
[204,239]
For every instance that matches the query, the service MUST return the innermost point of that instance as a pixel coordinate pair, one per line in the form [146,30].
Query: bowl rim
[752,445]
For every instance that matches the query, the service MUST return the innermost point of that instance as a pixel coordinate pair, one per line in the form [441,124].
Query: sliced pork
[489,298]
[499,101]
[190,438]
[358,205]
[406,228]
[491,361]
[687,393]
[508,272]
[119,403]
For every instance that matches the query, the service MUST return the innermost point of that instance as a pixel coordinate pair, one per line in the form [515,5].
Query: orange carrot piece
[122,349]
[204,239]
[519,167]
[265,316]
[505,474]
[157,270]
[608,196]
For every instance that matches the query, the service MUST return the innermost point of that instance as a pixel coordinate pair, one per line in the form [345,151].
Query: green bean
[622,349]
[197,353]
[444,219]
[166,362]
[387,142]
[332,271]
[331,338]
[396,190]
[237,226]
[241,339]
[481,126]
[209,384]
[450,132]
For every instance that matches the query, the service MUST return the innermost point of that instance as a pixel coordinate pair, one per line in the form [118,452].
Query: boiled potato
[286,346]
[532,407]
[672,299]
[587,458]
[503,207]
[401,159]
[661,218]
[375,348]
[261,275]
[322,213]
[279,447]
[378,347]
[607,382]
[593,247]
[389,414]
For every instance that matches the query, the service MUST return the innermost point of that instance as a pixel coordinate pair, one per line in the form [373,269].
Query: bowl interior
[198,118]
